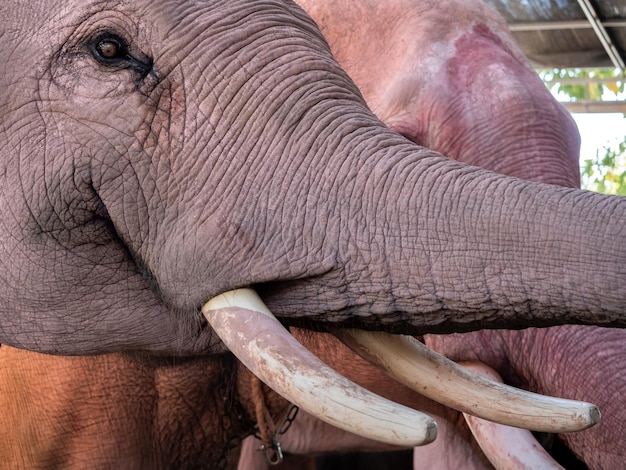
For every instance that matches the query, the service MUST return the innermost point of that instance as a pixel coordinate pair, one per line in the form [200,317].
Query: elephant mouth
[263,345]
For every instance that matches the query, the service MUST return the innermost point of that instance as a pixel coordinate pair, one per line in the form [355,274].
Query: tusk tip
[431,432]
[594,415]
[438,378]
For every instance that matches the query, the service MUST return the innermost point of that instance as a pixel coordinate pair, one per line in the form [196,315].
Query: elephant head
[149,167]
[156,155]
[450,76]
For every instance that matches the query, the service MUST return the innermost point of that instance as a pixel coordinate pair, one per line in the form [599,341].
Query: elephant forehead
[31,18]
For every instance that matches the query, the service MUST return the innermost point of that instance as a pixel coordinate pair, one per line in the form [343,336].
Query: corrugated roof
[568,33]
[571,34]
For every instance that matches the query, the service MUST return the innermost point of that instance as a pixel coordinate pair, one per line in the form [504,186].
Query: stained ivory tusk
[507,448]
[265,347]
[436,377]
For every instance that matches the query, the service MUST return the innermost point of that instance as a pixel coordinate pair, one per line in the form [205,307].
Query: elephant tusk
[436,377]
[507,448]
[265,347]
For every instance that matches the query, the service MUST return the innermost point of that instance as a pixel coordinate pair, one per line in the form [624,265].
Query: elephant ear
[263,345]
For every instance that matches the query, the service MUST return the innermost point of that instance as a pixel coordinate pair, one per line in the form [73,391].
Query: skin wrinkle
[554,173]
[324,260]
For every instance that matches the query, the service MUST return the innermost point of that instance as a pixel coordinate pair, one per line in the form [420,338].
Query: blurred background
[597,99]
[579,49]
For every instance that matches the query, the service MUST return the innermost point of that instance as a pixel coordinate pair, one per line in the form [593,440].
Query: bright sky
[599,130]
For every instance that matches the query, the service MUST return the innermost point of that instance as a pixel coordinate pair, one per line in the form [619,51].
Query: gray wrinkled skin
[498,115]
[112,233]
[148,166]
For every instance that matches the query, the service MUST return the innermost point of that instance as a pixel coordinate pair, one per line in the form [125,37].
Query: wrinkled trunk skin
[467,91]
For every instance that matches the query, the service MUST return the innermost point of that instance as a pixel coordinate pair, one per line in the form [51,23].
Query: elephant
[399,64]
[449,86]
[551,150]
[99,253]
[117,411]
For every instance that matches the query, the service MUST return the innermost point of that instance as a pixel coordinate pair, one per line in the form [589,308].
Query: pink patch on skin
[485,71]
[488,108]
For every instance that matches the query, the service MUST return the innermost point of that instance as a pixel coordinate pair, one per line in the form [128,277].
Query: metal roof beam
[583,80]
[559,25]
[595,106]
[603,36]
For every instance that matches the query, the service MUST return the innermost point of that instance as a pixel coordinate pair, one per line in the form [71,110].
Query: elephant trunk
[338,219]
[419,240]
[390,236]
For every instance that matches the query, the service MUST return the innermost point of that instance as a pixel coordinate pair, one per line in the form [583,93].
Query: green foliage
[606,173]
[579,84]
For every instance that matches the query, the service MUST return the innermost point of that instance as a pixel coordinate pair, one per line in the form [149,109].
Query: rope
[265,423]
[251,390]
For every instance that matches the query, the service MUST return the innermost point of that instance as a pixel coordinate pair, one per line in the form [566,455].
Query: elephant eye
[110,49]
